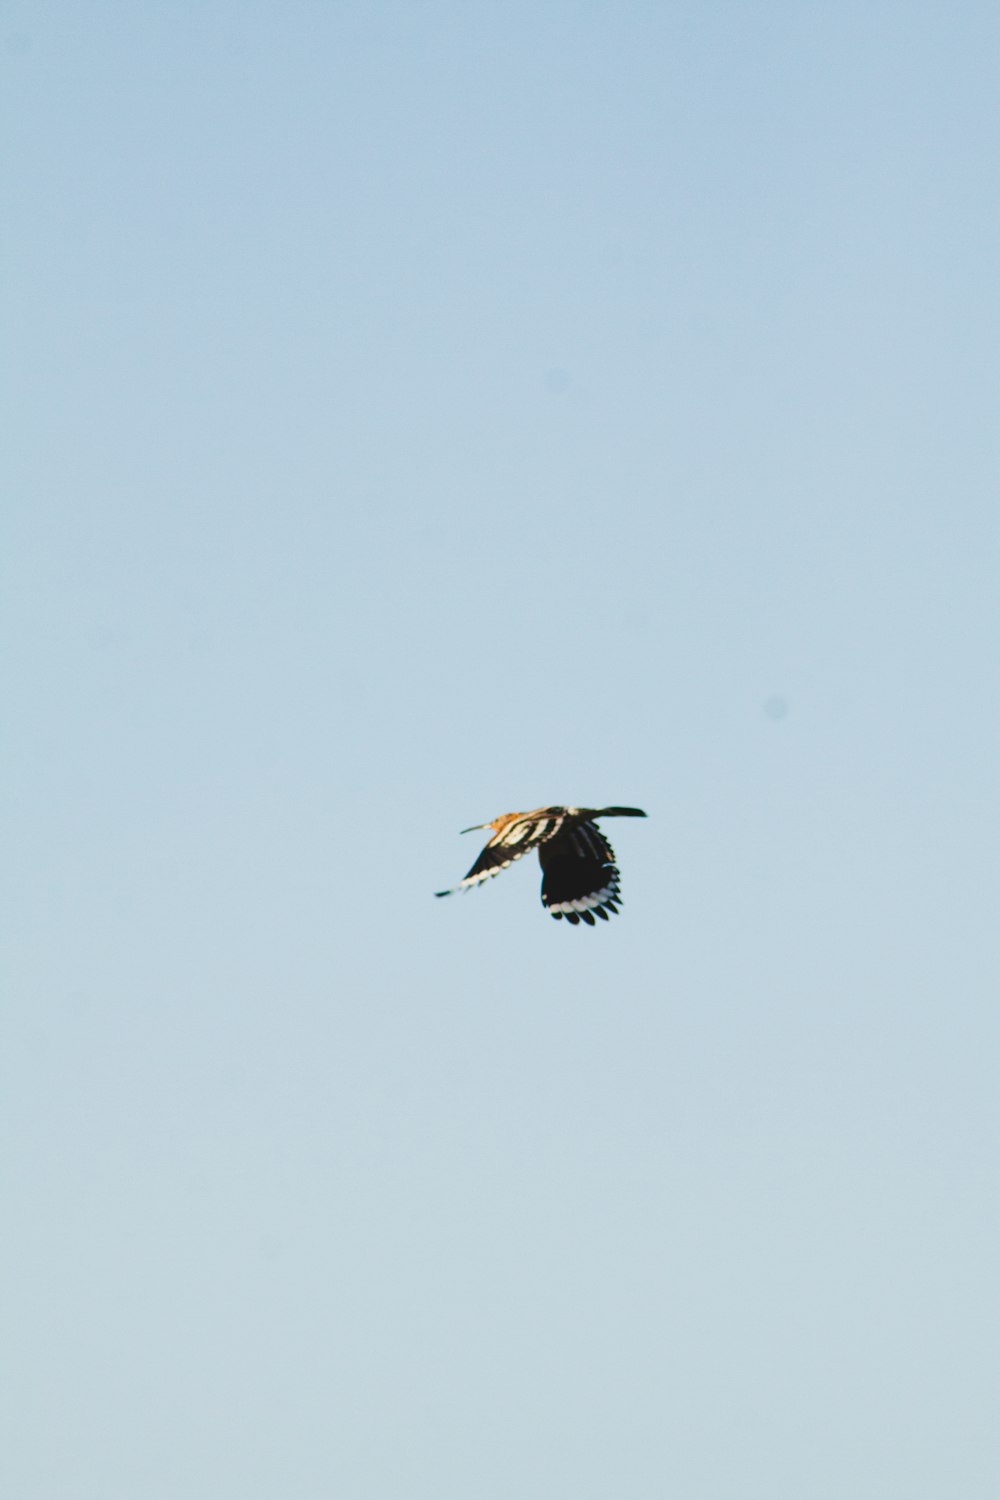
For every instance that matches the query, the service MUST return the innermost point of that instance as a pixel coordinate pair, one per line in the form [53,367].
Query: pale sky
[417,413]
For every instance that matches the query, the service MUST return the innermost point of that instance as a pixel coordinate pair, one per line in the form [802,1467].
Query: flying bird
[579,875]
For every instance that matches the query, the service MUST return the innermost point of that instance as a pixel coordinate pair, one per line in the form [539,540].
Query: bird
[579,875]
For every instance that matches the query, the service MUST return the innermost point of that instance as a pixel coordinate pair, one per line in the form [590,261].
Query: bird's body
[579,876]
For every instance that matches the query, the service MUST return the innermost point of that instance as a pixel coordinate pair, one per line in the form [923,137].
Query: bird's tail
[620,812]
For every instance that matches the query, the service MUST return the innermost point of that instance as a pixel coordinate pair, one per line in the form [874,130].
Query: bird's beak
[475,827]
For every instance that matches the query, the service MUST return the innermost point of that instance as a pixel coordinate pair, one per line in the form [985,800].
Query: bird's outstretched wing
[518,836]
[579,875]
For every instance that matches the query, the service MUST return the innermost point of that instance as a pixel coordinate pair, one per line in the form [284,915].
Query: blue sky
[418,413]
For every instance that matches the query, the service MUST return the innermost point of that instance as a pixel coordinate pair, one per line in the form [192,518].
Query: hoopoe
[579,875]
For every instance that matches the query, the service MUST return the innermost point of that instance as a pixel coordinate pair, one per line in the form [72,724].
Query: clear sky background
[416,412]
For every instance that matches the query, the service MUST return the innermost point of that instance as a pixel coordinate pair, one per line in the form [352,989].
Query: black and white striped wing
[509,844]
[579,876]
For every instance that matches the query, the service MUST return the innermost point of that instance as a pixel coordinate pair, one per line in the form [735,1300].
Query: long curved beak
[475,827]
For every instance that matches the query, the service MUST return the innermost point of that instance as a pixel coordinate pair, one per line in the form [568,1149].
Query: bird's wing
[579,876]
[509,843]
